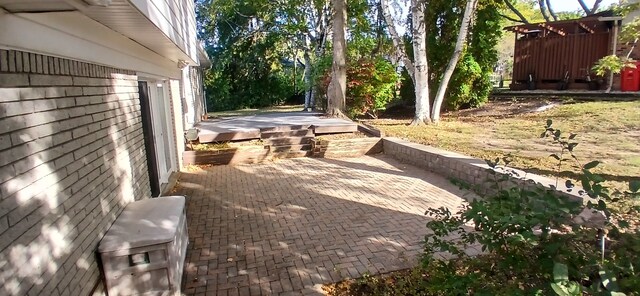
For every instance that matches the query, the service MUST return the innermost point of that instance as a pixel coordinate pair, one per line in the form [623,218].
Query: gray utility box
[143,252]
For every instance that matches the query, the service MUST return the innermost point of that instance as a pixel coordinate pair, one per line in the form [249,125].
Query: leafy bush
[535,241]
[371,85]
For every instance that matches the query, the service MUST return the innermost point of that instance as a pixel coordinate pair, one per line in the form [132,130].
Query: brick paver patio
[287,227]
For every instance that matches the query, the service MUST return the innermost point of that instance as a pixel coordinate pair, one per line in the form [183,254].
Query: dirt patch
[504,108]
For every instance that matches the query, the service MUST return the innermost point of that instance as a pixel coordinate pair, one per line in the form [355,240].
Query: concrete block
[12,61]
[65,102]
[92,91]
[39,67]
[16,108]
[4,60]
[4,224]
[60,138]
[73,91]
[66,67]
[54,92]
[77,111]
[33,63]
[45,65]
[51,67]
[9,94]
[50,80]
[13,80]
[18,59]
[5,141]
[44,105]
[32,93]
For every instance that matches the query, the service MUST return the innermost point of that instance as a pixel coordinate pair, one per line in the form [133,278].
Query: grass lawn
[607,131]
[248,112]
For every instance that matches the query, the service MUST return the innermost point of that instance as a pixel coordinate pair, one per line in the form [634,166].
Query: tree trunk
[421,68]
[338,85]
[543,10]
[308,84]
[398,44]
[552,12]
[462,38]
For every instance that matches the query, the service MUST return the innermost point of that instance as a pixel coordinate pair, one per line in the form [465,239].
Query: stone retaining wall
[473,171]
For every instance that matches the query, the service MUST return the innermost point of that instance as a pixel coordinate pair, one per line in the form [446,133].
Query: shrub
[534,240]
[371,85]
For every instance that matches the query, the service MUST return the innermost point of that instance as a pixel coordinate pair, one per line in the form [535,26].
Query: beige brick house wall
[71,157]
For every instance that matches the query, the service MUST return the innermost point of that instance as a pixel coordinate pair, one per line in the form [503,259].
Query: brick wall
[71,157]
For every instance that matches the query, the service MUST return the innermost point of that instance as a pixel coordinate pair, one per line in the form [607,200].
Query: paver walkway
[285,228]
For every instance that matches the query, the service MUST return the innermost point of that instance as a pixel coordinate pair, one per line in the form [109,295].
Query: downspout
[616,23]
[614,46]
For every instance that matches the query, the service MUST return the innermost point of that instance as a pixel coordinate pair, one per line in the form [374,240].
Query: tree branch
[551,11]
[397,41]
[543,10]
[516,12]
[585,7]
[595,7]
[512,19]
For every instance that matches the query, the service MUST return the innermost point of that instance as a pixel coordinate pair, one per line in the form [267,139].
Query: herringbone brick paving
[287,227]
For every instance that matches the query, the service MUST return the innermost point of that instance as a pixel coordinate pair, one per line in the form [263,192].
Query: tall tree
[418,69]
[462,37]
[338,86]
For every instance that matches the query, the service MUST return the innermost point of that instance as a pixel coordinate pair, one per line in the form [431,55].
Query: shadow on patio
[289,226]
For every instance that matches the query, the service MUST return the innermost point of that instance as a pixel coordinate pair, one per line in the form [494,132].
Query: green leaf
[591,165]
[560,272]
[572,136]
[634,185]
[555,156]
[549,122]
[608,280]
[560,290]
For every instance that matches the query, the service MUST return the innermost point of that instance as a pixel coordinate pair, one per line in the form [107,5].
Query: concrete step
[287,134]
[290,148]
[288,141]
[335,128]
[284,128]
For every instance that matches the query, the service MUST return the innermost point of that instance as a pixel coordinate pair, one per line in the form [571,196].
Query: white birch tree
[418,69]
[469,11]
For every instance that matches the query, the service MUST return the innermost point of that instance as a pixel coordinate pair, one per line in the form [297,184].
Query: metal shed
[559,55]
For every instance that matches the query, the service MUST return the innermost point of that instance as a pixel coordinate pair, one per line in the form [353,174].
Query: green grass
[607,131]
[249,112]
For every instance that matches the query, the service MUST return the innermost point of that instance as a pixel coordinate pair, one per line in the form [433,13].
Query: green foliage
[612,63]
[371,81]
[470,84]
[371,86]
[532,239]
[251,53]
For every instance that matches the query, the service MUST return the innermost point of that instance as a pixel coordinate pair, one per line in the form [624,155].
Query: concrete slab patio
[250,127]
[287,227]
